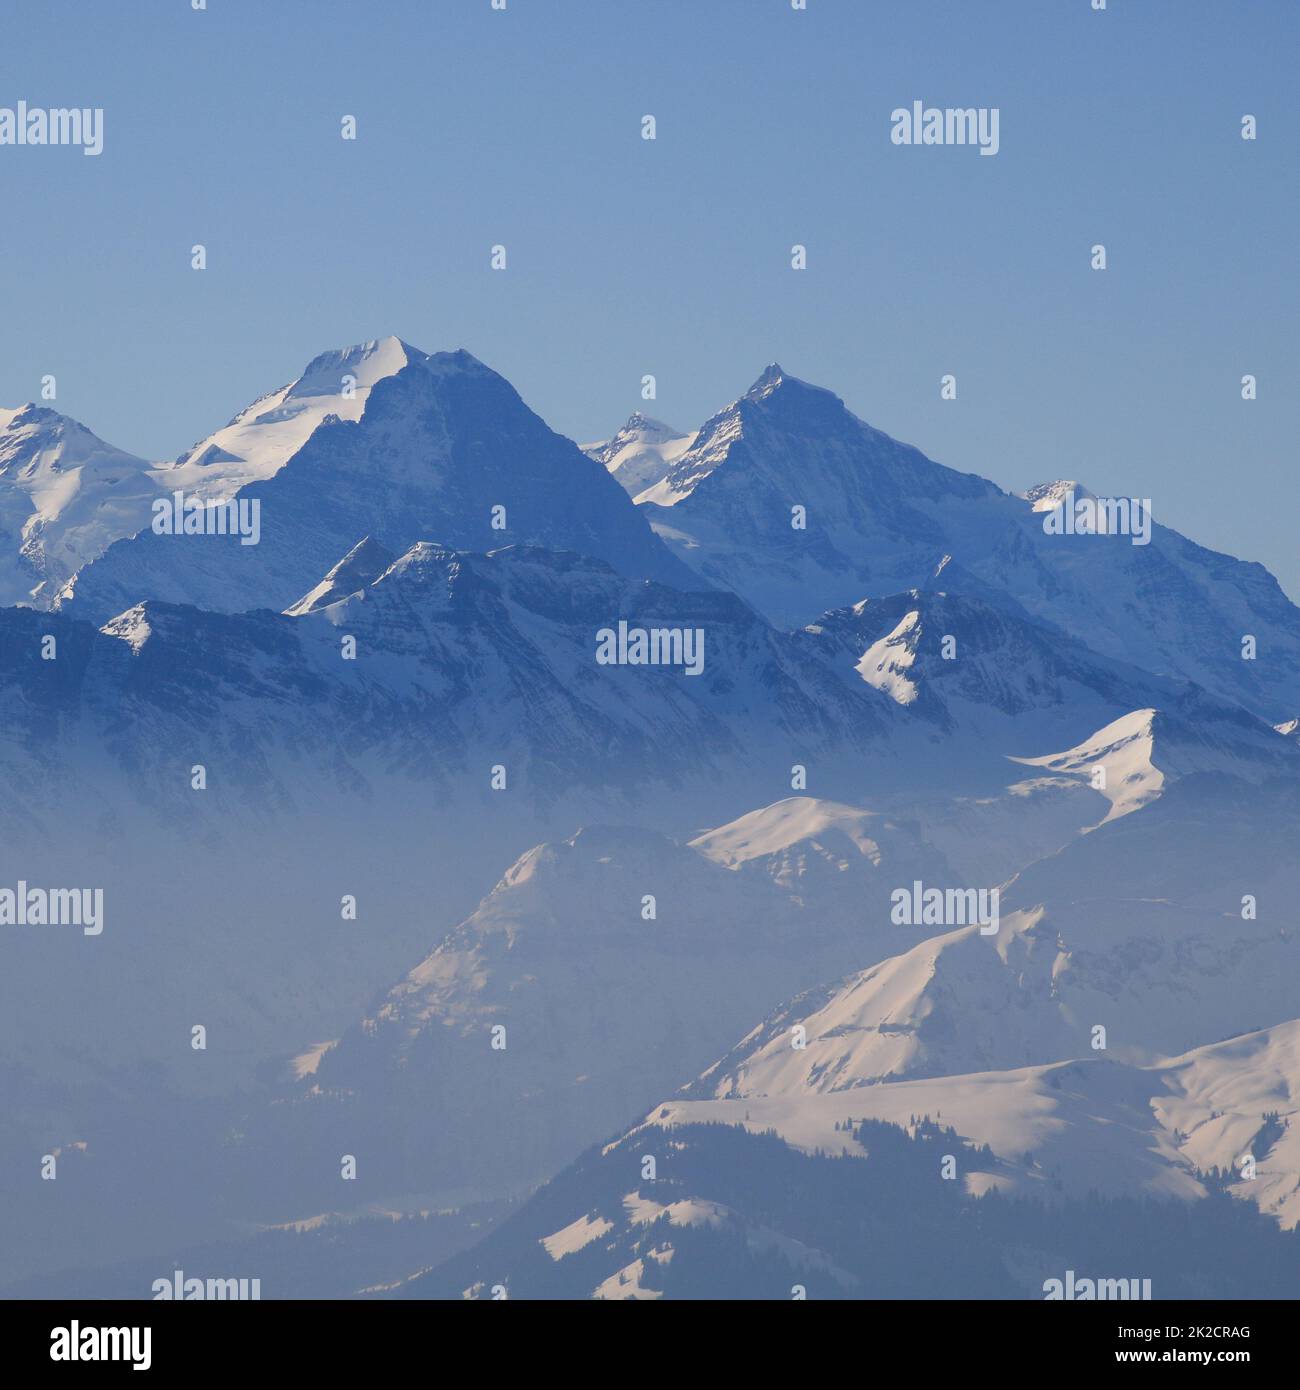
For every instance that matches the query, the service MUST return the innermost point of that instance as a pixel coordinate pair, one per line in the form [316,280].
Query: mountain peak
[39,420]
[645,425]
[768,380]
[459,360]
[366,362]
[1046,497]
[788,405]
[1126,748]
[65,496]
[42,440]
[357,570]
[27,412]
[265,435]
[641,453]
[638,428]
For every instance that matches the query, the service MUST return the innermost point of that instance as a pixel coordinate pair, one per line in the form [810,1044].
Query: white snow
[1158,1128]
[264,436]
[67,495]
[626,1284]
[778,827]
[707,450]
[690,1211]
[885,664]
[575,1236]
[131,627]
[1046,497]
[641,453]
[1124,748]
[306,1063]
[359,568]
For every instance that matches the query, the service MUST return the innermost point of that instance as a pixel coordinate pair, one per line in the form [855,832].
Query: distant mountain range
[461,881]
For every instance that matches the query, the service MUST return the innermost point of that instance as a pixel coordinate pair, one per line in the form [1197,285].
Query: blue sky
[672,257]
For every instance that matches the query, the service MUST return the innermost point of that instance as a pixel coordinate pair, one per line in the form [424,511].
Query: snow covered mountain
[794,503]
[600,1003]
[558,999]
[697,1210]
[1178,1127]
[362,566]
[962,664]
[1137,753]
[264,436]
[1056,1051]
[444,449]
[466,664]
[462,662]
[878,514]
[1139,927]
[65,496]
[640,453]
[505,646]
[398,690]
[784,497]
[453,707]
[596,996]
[828,857]
[728,1213]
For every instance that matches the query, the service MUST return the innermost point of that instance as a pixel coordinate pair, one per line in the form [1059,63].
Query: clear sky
[672,257]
